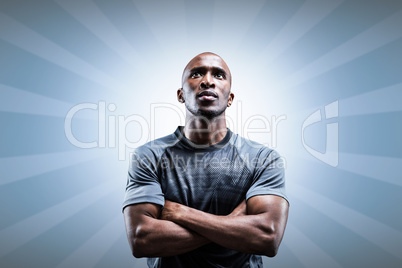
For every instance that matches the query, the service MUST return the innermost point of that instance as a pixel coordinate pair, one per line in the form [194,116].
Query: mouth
[207,95]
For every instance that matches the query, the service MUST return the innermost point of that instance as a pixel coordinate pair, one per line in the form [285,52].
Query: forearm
[149,236]
[248,233]
[160,238]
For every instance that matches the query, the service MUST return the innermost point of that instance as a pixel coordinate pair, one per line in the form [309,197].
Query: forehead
[208,61]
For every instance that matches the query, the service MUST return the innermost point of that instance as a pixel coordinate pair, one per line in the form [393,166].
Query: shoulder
[253,149]
[257,156]
[155,149]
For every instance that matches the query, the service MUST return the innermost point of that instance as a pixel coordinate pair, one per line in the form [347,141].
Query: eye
[220,76]
[196,75]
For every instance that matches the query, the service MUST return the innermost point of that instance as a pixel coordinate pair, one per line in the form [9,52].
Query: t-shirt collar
[188,143]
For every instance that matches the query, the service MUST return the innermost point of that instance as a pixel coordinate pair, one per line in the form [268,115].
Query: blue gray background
[61,205]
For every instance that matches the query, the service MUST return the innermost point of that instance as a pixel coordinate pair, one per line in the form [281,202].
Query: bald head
[212,59]
[206,86]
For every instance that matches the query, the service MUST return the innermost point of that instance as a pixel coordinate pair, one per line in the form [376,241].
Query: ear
[230,99]
[180,95]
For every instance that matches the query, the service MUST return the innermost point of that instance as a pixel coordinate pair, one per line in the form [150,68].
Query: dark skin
[206,73]
[256,226]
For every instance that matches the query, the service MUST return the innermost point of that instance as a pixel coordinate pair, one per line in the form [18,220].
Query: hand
[240,210]
[170,210]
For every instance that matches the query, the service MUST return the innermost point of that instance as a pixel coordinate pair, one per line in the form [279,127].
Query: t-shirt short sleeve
[269,175]
[143,184]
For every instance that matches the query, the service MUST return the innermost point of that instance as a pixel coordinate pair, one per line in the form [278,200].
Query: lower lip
[207,98]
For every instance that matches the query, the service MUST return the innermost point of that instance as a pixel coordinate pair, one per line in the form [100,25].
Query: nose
[208,81]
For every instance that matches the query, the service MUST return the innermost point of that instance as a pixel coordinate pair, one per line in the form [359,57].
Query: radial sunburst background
[121,62]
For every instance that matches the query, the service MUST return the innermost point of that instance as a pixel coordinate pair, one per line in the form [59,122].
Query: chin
[207,112]
[210,113]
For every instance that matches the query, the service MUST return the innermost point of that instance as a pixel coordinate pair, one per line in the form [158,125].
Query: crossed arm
[254,227]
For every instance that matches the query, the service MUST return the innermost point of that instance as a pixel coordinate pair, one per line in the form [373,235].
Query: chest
[214,182]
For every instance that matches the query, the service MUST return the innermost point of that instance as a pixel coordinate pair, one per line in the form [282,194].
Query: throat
[205,136]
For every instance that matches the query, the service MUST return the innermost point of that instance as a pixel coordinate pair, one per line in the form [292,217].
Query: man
[203,196]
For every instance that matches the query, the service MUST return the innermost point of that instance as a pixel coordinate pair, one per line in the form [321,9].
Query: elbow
[136,250]
[270,240]
[270,245]
[137,254]
[271,252]
[139,243]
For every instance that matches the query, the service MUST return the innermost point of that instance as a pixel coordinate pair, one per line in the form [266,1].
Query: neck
[201,130]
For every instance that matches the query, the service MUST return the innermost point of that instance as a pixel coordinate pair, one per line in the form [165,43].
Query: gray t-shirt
[213,179]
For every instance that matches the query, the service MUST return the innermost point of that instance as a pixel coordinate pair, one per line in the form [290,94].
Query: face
[206,86]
